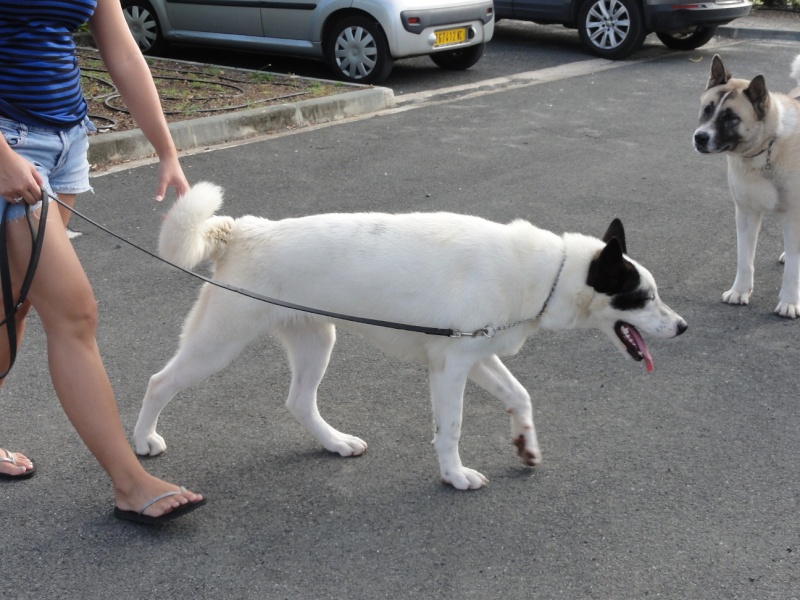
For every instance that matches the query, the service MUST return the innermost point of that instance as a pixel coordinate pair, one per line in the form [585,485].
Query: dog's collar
[555,283]
[768,150]
[490,330]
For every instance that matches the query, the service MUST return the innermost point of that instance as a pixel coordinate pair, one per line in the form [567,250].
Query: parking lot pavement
[681,483]
[354,101]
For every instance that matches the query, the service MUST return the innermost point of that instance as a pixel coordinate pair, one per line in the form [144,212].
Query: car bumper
[676,17]
[418,34]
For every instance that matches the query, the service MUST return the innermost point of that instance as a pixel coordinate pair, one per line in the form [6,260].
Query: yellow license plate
[446,37]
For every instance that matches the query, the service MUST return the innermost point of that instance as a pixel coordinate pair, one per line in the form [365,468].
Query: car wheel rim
[142,25]
[683,35]
[608,24]
[356,52]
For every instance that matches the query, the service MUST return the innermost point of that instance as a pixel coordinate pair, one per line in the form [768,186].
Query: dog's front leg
[308,345]
[748,224]
[789,299]
[493,376]
[447,397]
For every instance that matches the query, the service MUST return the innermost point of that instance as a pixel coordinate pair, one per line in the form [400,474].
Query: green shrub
[779,4]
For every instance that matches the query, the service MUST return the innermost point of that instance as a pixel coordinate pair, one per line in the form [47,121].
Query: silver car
[359,39]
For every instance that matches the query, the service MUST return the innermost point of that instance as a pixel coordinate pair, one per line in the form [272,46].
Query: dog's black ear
[719,76]
[616,230]
[759,96]
[610,273]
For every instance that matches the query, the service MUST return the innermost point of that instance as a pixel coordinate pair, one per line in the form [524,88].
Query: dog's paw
[734,297]
[788,310]
[464,479]
[150,445]
[345,445]
[528,451]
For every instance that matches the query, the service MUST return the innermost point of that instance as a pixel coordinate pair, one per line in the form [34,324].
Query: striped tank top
[39,76]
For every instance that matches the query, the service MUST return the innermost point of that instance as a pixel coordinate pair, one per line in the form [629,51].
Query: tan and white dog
[435,270]
[759,132]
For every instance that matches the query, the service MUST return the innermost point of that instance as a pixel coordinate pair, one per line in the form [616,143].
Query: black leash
[11,307]
[485,332]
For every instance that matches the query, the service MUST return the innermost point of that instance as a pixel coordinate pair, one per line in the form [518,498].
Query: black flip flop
[143,519]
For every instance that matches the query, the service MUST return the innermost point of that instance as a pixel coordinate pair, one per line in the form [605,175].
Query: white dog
[497,283]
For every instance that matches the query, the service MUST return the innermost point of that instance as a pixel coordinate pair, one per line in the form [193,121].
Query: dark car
[616,28]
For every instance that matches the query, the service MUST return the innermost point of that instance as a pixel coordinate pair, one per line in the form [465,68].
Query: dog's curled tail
[191,234]
[796,69]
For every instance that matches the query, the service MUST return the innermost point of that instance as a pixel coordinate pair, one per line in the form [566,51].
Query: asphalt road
[516,47]
[679,484]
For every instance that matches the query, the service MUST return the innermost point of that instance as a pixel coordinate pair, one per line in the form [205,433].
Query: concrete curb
[754,33]
[107,148]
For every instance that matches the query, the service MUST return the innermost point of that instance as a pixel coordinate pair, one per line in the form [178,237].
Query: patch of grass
[262,77]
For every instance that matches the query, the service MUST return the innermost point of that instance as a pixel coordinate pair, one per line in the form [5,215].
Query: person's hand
[170,174]
[19,179]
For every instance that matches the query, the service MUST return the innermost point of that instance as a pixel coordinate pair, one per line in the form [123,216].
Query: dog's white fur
[437,270]
[763,174]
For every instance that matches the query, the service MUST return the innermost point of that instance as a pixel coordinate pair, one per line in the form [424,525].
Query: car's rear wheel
[689,39]
[611,28]
[458,60]
[144,26]
[357,50]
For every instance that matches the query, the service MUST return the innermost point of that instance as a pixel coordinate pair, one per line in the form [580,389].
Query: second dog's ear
[719,76]
[615,230]
[759,96]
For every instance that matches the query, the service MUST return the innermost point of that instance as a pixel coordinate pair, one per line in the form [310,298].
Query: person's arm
[18,177]
[133,79]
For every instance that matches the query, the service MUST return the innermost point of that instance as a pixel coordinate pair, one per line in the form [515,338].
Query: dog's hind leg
[308,344]
[447,397]
[789,299]
[493,376]
[206,348]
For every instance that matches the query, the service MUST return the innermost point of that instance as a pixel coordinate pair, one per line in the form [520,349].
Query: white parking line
[500,84]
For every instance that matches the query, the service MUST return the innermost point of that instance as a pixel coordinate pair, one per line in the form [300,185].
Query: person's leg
[69,200]
[63,299]
[22,312]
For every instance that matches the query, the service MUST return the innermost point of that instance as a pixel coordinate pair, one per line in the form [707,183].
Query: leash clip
[487,332]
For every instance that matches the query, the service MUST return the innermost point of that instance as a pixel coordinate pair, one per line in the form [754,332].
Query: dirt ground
[189,91]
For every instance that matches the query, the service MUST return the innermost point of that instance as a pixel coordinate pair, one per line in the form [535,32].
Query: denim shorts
[60,156]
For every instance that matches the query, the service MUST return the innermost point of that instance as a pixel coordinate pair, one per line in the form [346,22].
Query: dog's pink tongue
[648,359]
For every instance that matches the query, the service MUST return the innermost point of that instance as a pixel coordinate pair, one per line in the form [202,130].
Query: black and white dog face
[626,302]
[733,113]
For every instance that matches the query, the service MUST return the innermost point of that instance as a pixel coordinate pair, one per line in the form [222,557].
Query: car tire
[688,40]
[145,26]
[357,51]
[611,29]
[458,60]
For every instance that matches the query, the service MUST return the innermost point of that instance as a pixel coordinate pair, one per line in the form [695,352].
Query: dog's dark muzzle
[701,140]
